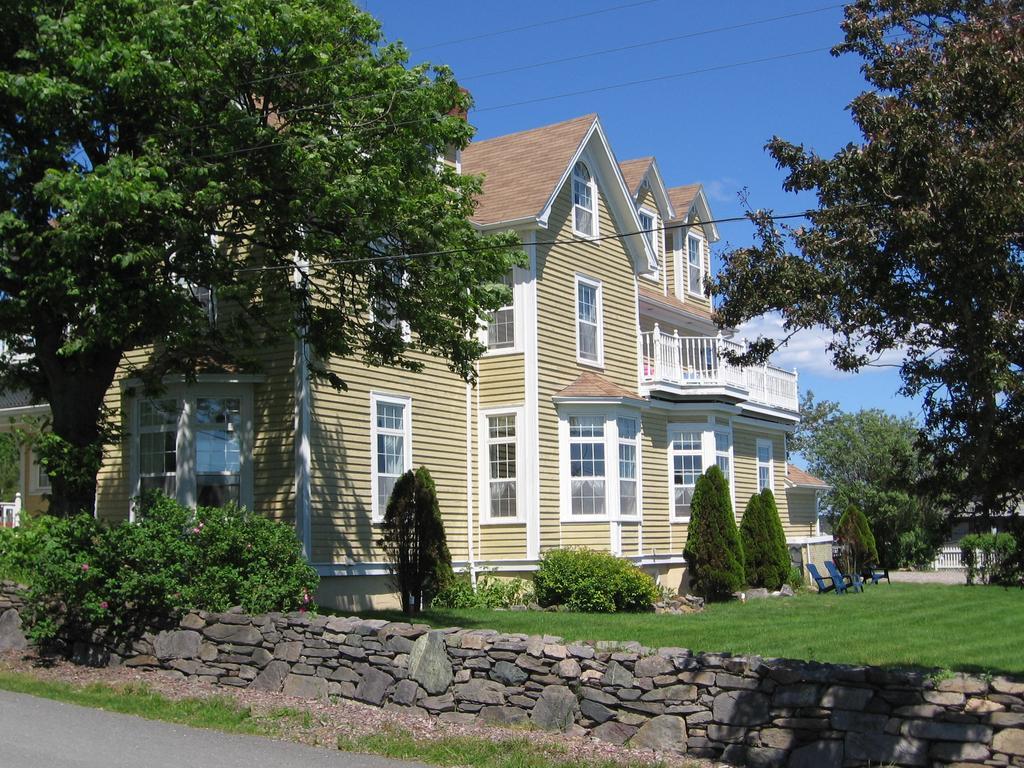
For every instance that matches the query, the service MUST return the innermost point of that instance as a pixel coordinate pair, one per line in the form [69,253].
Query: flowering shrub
[490,592]
[90,579]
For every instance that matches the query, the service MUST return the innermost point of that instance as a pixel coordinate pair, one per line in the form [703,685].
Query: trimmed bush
[587,581]
[713,550]
[988,558]
[413,538]
[765,553]
[858,543]
[491,592]
[89,580]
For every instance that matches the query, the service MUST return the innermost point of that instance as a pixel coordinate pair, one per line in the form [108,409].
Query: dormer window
[584,193]
[695,264]
[649,228]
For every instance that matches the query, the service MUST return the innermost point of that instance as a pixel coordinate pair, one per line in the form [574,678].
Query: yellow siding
[502,380]
[630,539]
[745,455]
[557,266]
[340,441]
[803,512]
[701,300]
[32,502]
[660,537]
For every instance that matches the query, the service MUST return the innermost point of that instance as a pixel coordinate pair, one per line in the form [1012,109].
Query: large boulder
[12,638]
[429,664]
[305,687]
[556,709]
[742,708]
[665,733]
[177,644]
[272,677]
[237,634]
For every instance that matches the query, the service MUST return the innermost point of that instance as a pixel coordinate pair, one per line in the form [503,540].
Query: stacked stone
[743,710]
[12,637]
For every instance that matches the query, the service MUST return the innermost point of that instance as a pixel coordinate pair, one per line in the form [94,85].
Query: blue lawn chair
[875,574]
[819,579]
[843,582]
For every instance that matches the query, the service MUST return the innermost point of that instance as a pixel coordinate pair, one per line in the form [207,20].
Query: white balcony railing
[698,362]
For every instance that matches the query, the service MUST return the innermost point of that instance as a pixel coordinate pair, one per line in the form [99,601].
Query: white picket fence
[948,558]
[10,512]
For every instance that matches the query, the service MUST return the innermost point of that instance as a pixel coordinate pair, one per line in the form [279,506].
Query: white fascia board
[823,539]
[786,427]
[660,192]
[520,224]
[635,402]
[24,410]
[758,409]
[703,210]
[621,204]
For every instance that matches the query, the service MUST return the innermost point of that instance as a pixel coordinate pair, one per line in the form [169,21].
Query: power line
[560,241]
[508,70]
[555,97]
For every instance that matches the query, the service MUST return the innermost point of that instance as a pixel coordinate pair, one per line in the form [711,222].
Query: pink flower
[104,605]
[85,566]
[302,609]
[196,530]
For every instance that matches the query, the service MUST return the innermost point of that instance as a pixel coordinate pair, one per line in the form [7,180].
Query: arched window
[584,193]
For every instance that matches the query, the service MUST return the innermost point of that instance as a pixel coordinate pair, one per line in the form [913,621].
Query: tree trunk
[73,451]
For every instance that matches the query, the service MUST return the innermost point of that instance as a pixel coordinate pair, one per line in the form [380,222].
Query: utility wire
[508,70]
[560,241]
[554,97]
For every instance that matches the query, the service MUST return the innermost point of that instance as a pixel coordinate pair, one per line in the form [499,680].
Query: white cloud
[722,190]
[807,350]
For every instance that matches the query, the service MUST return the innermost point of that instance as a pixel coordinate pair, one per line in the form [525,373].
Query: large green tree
[916,240]
[871,460]
[154,149]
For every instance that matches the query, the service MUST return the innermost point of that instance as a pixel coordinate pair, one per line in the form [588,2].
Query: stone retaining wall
[741,709]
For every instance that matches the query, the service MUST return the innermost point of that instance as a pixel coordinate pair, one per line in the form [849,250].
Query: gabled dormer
[654,209]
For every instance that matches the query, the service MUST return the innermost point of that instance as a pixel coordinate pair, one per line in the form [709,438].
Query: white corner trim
[531,410]
[303,450]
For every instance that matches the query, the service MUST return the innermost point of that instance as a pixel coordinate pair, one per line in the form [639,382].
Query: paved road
[39,733]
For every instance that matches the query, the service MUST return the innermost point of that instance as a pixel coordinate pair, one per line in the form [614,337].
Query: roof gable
[635,172]
[690,199]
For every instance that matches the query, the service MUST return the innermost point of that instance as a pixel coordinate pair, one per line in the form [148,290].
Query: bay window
[628,466]
[195,445]
[765,470]
[600,465]
[587,465]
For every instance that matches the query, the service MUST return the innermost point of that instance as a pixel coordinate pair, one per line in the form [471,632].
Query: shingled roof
[595,385]
[798,478]
[522,169]
[633,172]
[682,198]
[692,307]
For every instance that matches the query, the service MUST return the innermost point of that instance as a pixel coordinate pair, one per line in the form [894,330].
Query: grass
[221,713]
[218,713]
[514,752]
[970,629]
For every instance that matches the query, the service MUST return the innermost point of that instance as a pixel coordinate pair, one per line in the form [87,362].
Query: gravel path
[929,577]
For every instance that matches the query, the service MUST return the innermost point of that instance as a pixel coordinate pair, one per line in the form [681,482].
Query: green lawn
[972,629]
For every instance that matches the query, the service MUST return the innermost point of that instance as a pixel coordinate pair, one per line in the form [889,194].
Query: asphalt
[39,733]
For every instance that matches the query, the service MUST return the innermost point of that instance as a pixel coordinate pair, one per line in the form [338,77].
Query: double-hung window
[723,453]
[628,467]
[584,209]
[502,468]
[687,457]
[501,331]
[695,264]
[765,471]
[391,446]
[589,319]
[40,481]
[587,465]
[158,446]
[218,448]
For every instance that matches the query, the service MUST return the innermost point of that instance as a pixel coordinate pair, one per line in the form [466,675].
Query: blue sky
[737,88]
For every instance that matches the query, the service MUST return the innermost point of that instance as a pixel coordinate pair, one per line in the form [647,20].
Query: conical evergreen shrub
[713,550]
[764,542]
[857,540]
[413,538]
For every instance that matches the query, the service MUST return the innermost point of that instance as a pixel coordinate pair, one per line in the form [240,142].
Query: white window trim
[709,455]
[761,441]
[520,277]
[404,324]
[597,285]
[593,199]
[656,236]
[377,514]
[185,475]
[611,465]
[695,232]
[485,466]
[34,486]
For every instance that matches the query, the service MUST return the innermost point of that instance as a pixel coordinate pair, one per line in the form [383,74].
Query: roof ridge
[591,116]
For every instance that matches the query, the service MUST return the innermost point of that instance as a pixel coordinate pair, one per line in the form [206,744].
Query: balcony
[695,366]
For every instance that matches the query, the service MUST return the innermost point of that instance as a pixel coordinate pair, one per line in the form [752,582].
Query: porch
[678,366]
